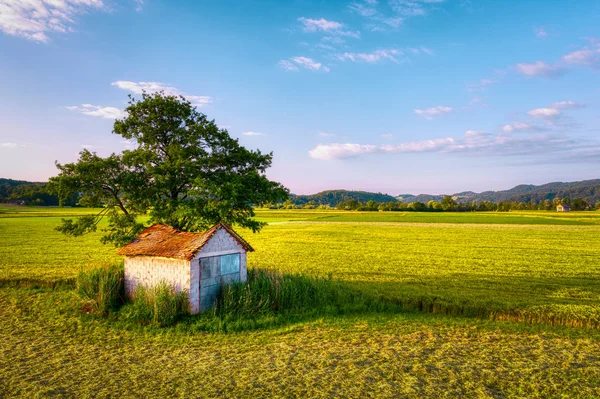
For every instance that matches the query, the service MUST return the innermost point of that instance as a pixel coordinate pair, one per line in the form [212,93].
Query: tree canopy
[183,171]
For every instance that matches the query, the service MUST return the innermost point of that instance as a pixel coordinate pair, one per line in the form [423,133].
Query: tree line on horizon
[36,194]
[447,204]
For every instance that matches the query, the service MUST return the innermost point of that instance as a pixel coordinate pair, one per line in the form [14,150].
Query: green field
[486,305]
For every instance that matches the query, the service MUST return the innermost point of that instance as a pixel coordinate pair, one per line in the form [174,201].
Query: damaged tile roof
[166,241]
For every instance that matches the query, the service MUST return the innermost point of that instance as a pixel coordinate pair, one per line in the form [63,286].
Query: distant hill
[522,193]
[21,191]
[333,197]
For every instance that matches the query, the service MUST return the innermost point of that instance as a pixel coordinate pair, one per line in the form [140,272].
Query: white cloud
[325,134]
[305,62]
[314,25]
[139,5]
[544,113]
[340,151]
[584,57]
[8,145]
[519,127]
[253,134]
[375,56]
[97,110]
[431,112]
[287,65]
[540,68]
[36,19]
[554,111]
[541,33]
[387,136]
[330,27]
[473,142]
[568,105]
[153,87]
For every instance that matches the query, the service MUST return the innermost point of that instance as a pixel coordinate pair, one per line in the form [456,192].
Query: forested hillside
[334,197]
[589,189]
[25,192]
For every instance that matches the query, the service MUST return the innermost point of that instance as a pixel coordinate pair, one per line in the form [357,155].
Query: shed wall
[210,278]
[150,270]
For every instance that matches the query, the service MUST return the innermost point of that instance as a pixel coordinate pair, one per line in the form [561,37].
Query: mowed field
[489,305]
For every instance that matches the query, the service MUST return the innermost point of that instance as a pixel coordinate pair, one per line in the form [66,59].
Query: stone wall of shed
[150,270]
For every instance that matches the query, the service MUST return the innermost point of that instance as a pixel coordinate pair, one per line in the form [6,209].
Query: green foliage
[158,305]
[184,171]
[101,288]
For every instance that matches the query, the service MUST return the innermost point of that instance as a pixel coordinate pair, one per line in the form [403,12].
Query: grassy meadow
[488,305]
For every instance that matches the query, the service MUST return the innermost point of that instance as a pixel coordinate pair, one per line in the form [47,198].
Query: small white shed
[199,263]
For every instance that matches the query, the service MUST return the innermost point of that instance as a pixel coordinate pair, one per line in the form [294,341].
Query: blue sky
[396,96]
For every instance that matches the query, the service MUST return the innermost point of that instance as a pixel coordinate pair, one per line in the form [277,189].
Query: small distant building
[563,208]
[200,263]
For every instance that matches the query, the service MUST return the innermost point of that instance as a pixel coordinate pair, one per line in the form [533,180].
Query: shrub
[101,288]
[158,305]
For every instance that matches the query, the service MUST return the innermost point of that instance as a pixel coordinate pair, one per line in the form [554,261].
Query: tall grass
[272,292]
[158,305]
[101,288]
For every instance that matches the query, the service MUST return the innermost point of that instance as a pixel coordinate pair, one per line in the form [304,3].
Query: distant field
[497,268]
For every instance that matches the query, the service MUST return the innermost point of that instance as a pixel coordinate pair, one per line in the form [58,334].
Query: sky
[392,96]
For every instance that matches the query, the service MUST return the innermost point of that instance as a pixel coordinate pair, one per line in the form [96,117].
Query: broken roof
[166,241]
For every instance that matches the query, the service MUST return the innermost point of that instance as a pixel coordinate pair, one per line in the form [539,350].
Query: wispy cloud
[253,134]
[153,87]
[98,110]
[36,19]
[481,85]
[540,68]
[544,113]
[294,63]
[588,56]
[287,65]
[8,145]
[431,112]
[541,33]
[520,127]
[473,142]
[373,57]
[554,111]
[314,25]
[391,17]
[330,27]
[412,7]
[568,105]
[585,57]
[326,134]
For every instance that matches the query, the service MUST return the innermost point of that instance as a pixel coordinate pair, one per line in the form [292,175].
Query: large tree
[183,170]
